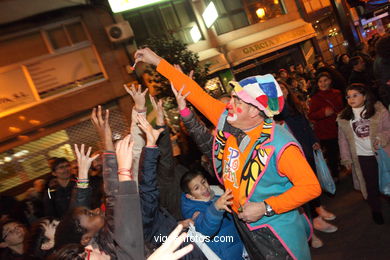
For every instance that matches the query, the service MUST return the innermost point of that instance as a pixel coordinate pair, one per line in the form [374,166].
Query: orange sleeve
[306,187]
[206,104]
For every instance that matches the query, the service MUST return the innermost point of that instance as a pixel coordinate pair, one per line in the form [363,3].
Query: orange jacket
[292,162]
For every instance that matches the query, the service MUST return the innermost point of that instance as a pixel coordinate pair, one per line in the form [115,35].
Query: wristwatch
[269,212]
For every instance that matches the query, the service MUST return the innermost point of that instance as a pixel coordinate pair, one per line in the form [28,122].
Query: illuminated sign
[125,5]
[210,14]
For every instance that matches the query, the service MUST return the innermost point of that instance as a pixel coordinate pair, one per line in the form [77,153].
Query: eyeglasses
[353,96]
[12,230]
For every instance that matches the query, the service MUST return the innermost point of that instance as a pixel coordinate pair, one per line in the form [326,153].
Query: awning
[269,40]
[216,60]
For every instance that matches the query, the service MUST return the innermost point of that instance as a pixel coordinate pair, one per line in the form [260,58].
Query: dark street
[358,237]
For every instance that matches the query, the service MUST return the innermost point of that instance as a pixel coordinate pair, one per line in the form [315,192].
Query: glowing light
[123,5]
[13,129]
[195,33]
[34,122]
[7,159]
[210,14]
[260,13]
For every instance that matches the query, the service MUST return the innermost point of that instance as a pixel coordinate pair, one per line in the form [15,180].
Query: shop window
[175,18]
[315,5]
[76,32]
[57,37]
[231,15]
[46,61]
[214,87]
[22,48]
[29,161]
[263,10]
[330,38]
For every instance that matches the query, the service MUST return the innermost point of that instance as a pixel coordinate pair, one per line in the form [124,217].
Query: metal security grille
[29,161]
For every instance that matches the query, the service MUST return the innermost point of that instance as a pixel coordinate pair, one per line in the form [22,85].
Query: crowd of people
[134,198]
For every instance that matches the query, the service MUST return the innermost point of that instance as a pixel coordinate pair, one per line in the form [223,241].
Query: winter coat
[379,129]
[325,127]
[216,224]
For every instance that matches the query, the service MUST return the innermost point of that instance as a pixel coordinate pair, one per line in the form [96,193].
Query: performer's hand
[148,56]
[252,212]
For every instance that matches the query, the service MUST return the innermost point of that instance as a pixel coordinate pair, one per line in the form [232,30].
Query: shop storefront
[279,47]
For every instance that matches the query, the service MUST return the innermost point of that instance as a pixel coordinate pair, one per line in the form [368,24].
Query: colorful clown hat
[261,91]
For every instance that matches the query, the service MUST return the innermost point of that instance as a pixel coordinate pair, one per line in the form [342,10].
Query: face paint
[232,117]
[239,110]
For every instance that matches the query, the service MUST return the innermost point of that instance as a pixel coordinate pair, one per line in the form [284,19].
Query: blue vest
[291,228]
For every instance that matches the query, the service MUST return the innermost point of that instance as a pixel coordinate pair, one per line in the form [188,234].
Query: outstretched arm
[198,131]
[149,193]
[81,196]
[206,104]
[128,233]
[137,134]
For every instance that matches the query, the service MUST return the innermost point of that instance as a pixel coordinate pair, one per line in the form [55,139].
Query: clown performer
[259,161]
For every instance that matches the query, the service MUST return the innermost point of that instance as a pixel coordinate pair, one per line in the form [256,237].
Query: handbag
[323,173]
[384,172]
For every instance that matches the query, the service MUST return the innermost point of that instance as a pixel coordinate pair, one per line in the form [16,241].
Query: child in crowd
[325,104]
[211,219]
[364,127]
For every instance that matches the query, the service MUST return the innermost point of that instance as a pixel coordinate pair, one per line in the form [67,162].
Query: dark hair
[37,238]
[68,252]
[2,224]
[369,103]
[318,77]
[342,56]
[69,229]
[186,178]
[293,100]
[382,47]
[56,162]
[289,81]
[355,60]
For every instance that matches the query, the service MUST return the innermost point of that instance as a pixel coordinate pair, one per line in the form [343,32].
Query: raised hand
[157,106]
[102,126]
[124,157]
[223,202]
[148,56]
[151,133]
[167,250]
[138,96]
[180,98]
[84,161]
[190,75]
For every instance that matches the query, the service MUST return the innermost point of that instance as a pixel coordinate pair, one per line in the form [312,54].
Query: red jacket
[325,127]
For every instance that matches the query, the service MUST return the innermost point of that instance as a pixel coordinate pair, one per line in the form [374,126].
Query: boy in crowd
[212,219]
